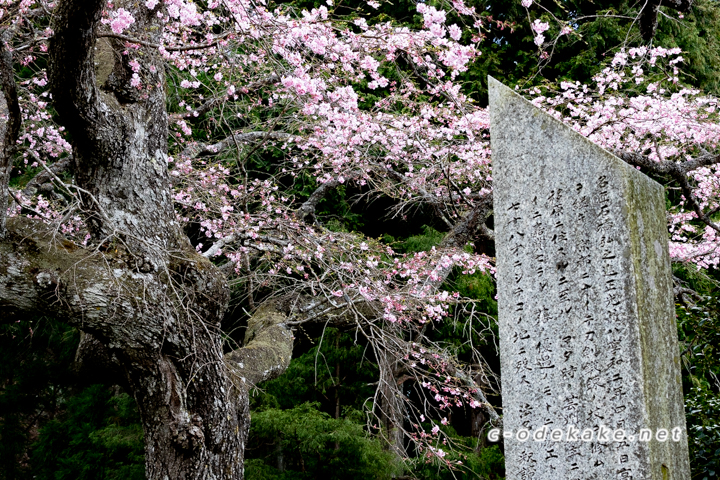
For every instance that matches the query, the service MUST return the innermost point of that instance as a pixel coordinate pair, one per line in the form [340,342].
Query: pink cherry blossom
[122,19]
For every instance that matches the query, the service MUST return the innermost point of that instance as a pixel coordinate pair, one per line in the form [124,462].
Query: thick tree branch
[486,232]
[181,48]
[95,363]
[667,166]
[72,71]
[162,327]
[704,160]
[44,274]
[465,230]
[268,346]
[260,243]
[307,209]
[120,155]
[335,312]
[98,290]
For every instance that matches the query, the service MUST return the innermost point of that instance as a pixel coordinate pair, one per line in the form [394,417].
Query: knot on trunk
[145,265]
[203,282]
[47,280]
[189,436]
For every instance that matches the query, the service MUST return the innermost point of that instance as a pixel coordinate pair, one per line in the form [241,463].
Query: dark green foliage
[480,287]
[418,243]
[35,356]
[48,428]
[702,409]
[698,35]
[98,436]
[699,335]
[335,211]
[293,417]
[600,29]
[313,377]
[305,443]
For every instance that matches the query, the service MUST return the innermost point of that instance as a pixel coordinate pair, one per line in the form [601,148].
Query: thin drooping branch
[179,48]
[12,127]
[480,203]
[692,201]
[45,176]
[393,353]
[215,101]
[200,149]
[466,380]
[432,200]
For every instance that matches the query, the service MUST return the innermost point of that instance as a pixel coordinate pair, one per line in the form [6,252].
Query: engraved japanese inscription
[588,341]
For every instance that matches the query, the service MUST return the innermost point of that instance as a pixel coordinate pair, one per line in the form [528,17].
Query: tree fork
[193,400]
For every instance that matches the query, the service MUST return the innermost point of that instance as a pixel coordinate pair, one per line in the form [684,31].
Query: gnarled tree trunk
[150,307]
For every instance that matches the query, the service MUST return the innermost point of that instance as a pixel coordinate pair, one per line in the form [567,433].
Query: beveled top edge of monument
[497,90]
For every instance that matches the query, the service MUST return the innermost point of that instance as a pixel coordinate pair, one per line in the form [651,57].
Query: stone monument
[588,342]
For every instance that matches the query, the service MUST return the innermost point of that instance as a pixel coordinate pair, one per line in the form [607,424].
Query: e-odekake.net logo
[598,434]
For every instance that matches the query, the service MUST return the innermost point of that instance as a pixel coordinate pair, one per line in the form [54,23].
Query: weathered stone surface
[587,323]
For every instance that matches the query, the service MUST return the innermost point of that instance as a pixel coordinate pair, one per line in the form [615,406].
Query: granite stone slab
[588,339]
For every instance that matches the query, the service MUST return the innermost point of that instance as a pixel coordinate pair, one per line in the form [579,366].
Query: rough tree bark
[10,131]
[148,305]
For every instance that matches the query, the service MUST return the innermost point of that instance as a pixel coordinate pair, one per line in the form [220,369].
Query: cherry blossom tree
[139,122]
[97,236]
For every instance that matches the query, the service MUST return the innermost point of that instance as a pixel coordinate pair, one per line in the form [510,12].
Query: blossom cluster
[637,105]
